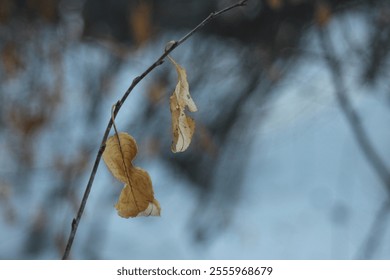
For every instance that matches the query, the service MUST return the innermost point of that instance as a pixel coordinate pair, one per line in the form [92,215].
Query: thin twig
[211,16]
[159,61]
[362,139]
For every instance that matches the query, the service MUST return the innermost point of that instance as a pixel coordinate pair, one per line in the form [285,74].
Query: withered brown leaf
[137,196]
[183,126]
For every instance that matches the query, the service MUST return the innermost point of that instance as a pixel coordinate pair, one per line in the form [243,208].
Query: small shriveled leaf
[183,127]
[137,195]
[182,90]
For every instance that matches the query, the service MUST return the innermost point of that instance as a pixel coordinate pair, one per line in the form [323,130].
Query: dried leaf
[183,127]
[137,196]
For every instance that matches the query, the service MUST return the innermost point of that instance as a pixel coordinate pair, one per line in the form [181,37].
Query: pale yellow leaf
[182,90]
[183,127]
[137,194]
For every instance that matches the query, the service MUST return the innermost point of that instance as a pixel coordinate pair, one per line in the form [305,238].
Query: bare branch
[350,113]
[364,142]
[159,61]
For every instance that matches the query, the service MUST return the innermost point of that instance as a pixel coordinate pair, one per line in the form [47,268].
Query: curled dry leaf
[183,126]
[137,196]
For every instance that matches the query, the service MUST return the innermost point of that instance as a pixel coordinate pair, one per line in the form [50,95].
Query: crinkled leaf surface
[183,126]
[137,196]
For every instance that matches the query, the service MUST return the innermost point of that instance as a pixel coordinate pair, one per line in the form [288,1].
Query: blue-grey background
[274,170]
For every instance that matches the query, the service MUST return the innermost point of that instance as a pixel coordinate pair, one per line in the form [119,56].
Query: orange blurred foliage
[140,21]
[11,59]
[323,13]
[275,4]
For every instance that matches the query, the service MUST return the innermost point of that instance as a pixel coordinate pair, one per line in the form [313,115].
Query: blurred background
[290,158]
